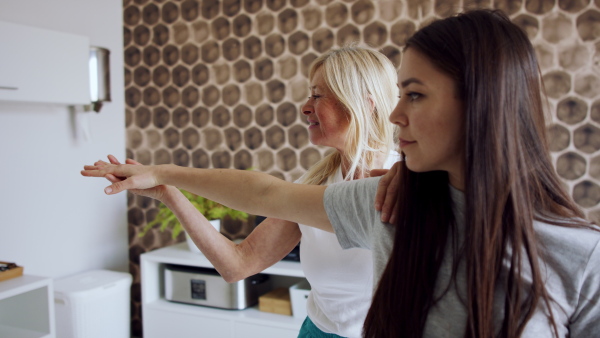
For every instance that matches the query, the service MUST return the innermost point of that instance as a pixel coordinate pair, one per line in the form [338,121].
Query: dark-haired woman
[487,242]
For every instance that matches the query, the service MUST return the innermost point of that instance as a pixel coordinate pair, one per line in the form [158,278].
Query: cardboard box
[276,301]
[11,273]
[299,294]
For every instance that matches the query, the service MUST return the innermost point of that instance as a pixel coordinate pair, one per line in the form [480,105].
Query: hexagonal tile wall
[220,84]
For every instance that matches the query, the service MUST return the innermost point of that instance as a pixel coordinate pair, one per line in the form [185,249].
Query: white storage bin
[93,304]
[298,296]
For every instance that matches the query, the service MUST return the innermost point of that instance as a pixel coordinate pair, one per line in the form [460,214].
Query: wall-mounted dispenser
[99,76]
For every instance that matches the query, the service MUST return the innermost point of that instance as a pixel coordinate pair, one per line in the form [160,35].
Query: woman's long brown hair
[509,182]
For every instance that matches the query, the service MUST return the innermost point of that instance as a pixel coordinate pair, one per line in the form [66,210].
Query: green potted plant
[212,210]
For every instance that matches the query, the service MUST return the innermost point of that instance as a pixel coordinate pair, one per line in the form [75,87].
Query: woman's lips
[312,124]
[404,143]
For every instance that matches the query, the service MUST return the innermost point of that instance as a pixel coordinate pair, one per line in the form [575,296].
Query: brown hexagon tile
[286,114]
[588,25]
[557,28]
[231,94]
[242,25]
[362,11]
[233,138]
[161,76]
[298,43]
[336,14]
[221,72]
[210,95]
[143,156]
[150,14]
[529,24]
[274,45]
[171,97]
[242,160]
[275,91]
[132,56]
[587,138]
[151,96]
[265,159]
[128,118]
[311,18]
[275,137]
[242,116]
[287,67]
[127,36]
[305,63]
[389,10]
[401,31]
[299,3]
[171,137]
[151,56]
[264,115]
[161,156]
[133,97]
[210,51]
[221,159]
[557,83]
[393,54]
[201,31]
[287,21]
[141,35]
[265,23]
[190,96]
[298,136]
[169,12]
[253,93]
[141,76]
[572,110]
[375,34]
[134,138]
[181,76]
[252,47]
[200,159]
[242,71]
[190,138]
[476,4]
[558,137]
[276,5]
[200,117]
[181,33]
[545,56]
[181,158]
[509,7]
[263,69]
[189,53]
[231,7]
[299,90]
[143,117]
[190,10]
[131,15]
[135,216]
[418,9]
[587,85]
[253,138]
[232,49]
[210,9]
[347,35]
[309,157]
[160,117]
[153,138]
[573,6]
[322,40]
[200,74]
[143,202]
[212,138]
[571,166]
[160,35]
[286,159]
[221,116]
[539,6]
[586,194]
[253,6]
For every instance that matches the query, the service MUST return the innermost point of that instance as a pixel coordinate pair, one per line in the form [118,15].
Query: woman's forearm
[253,192]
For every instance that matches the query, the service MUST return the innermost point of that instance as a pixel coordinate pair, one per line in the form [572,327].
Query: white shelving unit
[162,318]
[27,307]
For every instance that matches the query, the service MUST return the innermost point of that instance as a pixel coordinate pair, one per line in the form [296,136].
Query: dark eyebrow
[411,80]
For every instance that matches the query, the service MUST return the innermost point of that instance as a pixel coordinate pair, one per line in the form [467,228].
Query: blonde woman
[353,91]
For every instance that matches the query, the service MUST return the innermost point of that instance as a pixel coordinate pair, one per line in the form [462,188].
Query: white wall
[53,221]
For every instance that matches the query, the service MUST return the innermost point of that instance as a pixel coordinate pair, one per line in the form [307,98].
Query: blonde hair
[365,83]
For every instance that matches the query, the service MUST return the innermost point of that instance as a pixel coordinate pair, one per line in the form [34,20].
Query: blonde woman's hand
[387,193]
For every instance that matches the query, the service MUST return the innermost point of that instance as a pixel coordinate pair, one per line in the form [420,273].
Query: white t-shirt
[341,280]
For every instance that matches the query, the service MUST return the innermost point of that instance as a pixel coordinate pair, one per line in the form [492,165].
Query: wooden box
[11,273]
[276,301]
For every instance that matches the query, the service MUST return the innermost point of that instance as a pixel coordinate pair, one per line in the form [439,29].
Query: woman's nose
[398,117]
[307,108]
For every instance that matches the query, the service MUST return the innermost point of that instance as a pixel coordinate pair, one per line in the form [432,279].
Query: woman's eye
[414,96]
[314,97]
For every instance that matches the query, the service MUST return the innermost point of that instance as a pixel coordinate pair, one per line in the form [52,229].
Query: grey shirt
[571,265]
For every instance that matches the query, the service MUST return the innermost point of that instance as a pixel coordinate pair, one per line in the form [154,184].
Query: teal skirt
[310,330]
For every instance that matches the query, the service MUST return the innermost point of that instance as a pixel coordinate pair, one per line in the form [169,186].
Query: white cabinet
[27,307]
[40,65]
[162,318]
